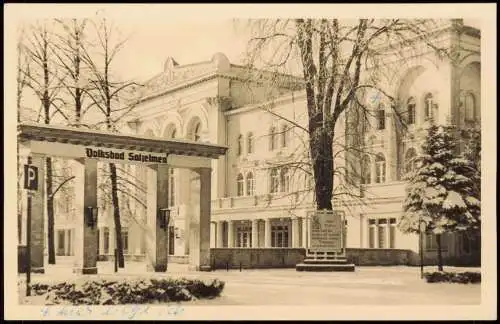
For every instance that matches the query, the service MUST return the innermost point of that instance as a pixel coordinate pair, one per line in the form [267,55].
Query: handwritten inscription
[326,232]
[125,311]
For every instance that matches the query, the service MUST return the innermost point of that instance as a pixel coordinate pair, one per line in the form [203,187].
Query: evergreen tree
[442,190]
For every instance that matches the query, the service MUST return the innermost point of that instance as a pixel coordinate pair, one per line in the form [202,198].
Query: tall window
[285,180]
[410,162]
[429,105]
[392,233]
[279,236]
[239,185]
[171,188]
[106,240]
[250,143]
[371,233]
[275,180]
[381,118]
[380,168]
[285,130]
[411,110]
[125,240]
[366,174]
[60,242]
[469,103]
[382,234]
[273,139]
[239,148]
[197,132]
[250,184]
[243,236]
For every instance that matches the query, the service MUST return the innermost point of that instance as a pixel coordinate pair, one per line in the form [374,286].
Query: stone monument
[327,248]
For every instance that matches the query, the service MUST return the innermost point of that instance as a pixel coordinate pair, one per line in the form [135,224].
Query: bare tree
[339,61]
[110,97]
[43,79]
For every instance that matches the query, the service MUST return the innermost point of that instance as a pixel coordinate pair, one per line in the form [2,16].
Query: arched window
[380,167]
[275,180]
[273,139]
[469,103]
[250,143]
[171,188]
[239,149]
[410,162]
[366,174]
[411,109]
[197,131]
[429,105]
[250,184]
[239,185]
[285,180]
[173,134]
[284,136]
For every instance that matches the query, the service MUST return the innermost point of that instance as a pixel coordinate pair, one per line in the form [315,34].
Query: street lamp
[91,216]
[422,229]
[163,217]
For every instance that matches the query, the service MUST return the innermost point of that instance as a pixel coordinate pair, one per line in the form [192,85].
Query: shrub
[104,292]
[455,277]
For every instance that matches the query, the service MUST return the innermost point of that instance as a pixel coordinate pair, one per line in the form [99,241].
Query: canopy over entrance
[90,146]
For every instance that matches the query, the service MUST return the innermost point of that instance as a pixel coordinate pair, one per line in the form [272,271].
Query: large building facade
[262,190]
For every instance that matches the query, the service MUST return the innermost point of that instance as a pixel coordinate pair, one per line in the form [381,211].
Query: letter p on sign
[30,177]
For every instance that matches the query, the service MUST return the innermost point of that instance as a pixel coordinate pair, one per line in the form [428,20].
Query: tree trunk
[50,214]
[116,215]
[439,252]
[322,153]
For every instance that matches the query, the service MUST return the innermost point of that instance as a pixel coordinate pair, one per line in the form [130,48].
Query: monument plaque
[326,231]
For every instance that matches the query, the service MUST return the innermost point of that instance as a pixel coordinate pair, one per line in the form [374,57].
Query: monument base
[313,264]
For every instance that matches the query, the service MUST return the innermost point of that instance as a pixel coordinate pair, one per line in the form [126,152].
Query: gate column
[37,216]
[156,236]
[85,240]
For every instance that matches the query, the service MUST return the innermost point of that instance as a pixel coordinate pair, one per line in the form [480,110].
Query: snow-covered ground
[397,285]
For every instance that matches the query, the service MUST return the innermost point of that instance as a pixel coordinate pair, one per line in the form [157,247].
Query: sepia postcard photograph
[250,161]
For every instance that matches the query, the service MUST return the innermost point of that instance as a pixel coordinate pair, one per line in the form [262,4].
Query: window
[273,139]
[380,168]
[106,240]
[250,184]
[392,233]
[431,241]
[197,132]
[171,188]
[244,236]
[371,237]
[275,180]
[60,242]
[250,143]
[410,162]
[429,105]
[285,180]
[173,134]
[366,173]
[411,110]
[239,148]
[381,118]
[279,236]
[125,240]
[239,185]
[469,103]
[284,136]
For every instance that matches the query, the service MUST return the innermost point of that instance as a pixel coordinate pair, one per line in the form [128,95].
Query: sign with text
[30,177]
[327,231]
[131,156]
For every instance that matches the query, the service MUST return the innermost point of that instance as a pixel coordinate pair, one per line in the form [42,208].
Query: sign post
[31,185]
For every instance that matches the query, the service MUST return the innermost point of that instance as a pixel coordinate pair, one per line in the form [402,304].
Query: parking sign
[30,177]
